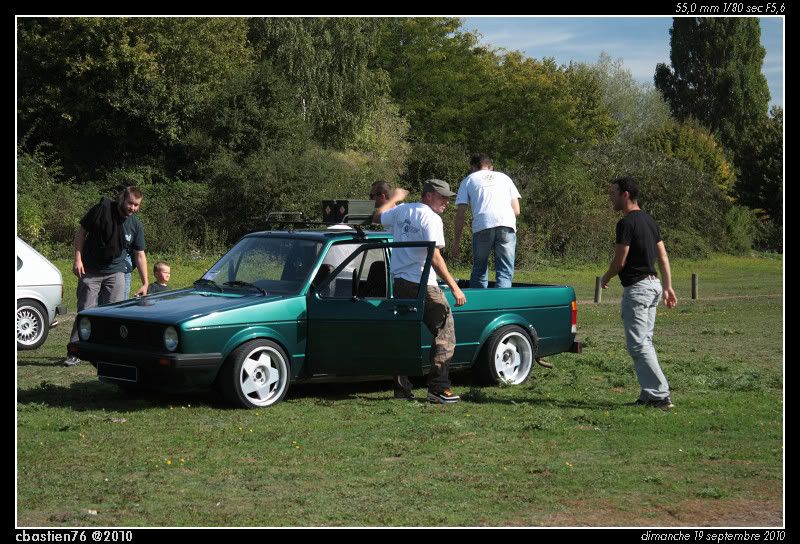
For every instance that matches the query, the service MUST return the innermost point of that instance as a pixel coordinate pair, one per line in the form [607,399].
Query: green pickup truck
[291,306]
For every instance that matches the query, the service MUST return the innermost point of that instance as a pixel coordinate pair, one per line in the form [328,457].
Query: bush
[173,215]
[768,236]
[688,206]
[685,244]
[740,229]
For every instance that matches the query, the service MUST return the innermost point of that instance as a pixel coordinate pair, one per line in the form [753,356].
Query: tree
[760,185]
[636,108]
[111,92]
[328,62]
[437,75]
[716,76]
[692,143]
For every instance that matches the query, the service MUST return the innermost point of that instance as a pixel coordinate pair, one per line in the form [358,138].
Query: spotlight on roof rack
[350,212]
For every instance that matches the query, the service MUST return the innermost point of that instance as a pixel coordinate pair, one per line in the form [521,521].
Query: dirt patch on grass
[739,512]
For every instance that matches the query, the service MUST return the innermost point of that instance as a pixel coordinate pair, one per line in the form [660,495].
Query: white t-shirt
[490,194]
[415,222]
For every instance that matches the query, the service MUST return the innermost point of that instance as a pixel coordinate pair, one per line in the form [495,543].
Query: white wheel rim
[263,376]
[513,358]
[29,326]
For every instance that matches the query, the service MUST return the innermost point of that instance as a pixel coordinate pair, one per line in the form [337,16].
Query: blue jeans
[503,240]
[638,310]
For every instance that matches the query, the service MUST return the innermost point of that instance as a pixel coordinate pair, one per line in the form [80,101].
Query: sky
[641,42]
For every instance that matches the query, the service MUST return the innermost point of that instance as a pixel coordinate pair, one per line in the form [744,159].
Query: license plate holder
[125,373]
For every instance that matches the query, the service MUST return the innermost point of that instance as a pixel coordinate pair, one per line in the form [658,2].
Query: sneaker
[443,397]
[662,404]
[404,394]
[403,388]
[71,361]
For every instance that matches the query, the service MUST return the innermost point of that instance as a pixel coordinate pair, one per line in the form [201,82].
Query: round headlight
[85,328]
[171,339]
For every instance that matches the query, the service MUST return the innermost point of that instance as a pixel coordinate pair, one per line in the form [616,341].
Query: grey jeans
[638,310]
[92,287]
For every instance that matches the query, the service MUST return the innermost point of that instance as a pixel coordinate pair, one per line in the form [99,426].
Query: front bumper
[153,368]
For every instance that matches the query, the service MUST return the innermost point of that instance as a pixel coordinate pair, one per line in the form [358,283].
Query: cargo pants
[438,317]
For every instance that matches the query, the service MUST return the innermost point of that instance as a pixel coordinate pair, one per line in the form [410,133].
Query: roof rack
[294,220]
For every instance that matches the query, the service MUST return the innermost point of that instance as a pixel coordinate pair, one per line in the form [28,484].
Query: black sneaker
[404,394]
[443,397]
[662,404]
[71,361]
[403,388]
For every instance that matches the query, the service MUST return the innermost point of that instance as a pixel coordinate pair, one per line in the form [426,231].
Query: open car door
[356,326]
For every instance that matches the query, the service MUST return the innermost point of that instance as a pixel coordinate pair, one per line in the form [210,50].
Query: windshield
[274,265]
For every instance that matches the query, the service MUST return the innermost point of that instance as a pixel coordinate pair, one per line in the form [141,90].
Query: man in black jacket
[107,232]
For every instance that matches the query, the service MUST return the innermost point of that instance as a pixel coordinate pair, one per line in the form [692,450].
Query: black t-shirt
[132,240]
[639,231]
[156,287]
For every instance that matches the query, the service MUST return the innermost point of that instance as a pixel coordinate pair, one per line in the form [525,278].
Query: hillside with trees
[222,120]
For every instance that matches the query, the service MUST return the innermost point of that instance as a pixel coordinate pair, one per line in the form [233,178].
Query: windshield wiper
[203,282]
[238,283]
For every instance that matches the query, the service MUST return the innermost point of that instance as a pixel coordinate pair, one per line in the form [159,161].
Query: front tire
[32,324]
[507,357]
[256,375]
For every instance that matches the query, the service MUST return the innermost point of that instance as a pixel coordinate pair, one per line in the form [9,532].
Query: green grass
[562,449]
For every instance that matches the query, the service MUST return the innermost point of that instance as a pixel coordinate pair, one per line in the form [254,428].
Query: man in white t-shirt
[495,206]
[417,222]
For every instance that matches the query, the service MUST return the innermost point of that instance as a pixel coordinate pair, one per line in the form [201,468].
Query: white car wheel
[32,325]
[256,375]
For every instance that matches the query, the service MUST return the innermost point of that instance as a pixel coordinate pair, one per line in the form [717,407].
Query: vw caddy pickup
[293,306]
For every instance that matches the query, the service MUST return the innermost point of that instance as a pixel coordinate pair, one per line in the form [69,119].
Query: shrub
[740,229]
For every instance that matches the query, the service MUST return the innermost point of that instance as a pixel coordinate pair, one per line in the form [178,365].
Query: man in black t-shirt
[107,232]
[638,247]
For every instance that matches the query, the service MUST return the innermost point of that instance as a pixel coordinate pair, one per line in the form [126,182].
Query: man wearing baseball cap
[421,222]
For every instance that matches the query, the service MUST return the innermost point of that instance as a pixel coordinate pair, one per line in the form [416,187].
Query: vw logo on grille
[123,331]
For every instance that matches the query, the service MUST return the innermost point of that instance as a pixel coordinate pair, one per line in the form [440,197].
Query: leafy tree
[688,206]
[693,144]
[715,75]
[110,92]
[437,75]
[328,61]
[594,114]
[385,135]
[636,108]
[760,185]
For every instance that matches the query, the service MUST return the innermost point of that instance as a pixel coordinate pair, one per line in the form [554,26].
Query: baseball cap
[437,186]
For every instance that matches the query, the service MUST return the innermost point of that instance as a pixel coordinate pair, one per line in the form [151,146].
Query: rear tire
[32,324]
[256,375]
[507,357]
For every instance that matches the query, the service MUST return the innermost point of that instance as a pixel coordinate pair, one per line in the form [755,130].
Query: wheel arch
[503,321]
[257,332]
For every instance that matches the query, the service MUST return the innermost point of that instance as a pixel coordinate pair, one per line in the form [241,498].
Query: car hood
[178,306]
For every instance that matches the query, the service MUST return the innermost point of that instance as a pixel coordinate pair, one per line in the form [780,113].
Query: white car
[39,293]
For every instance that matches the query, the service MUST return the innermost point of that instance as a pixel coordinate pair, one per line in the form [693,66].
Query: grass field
[560,450]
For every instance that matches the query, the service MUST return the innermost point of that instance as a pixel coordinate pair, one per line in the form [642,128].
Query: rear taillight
[574,317]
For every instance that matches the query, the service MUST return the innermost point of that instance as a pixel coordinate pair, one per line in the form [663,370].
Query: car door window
[363,275]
